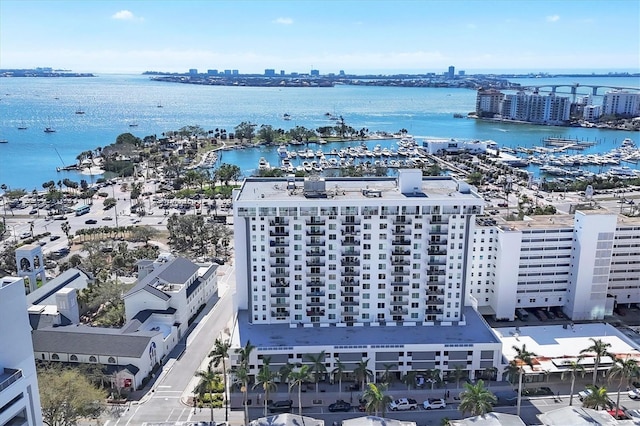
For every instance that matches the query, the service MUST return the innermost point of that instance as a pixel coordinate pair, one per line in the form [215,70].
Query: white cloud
[123,15]
[283,21]
[553,18]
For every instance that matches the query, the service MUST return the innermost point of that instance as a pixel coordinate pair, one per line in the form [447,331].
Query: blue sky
[356,36]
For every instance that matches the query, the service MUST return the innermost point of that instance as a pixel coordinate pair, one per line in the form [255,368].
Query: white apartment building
[363,268]
[19,395]
[585,264]
[488,102]
[621,102]
[592,112]
[536,108]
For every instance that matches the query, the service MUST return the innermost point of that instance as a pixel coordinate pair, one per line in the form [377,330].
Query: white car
[403,404]
[634,393]
[433,403]
[25,235]
[583,394]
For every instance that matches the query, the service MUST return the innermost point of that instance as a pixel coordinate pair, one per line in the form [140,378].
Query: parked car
[522,314]
[584,393]
[433,403]
[403,404]
[54,237]
[508,397]
[107,218]
[634,393]
[541,391]
[25,235]
[91,221]
[550,314]
[280,406]
[340,405]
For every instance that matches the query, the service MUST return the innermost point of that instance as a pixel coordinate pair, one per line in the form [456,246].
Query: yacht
[282,151]
[263,164]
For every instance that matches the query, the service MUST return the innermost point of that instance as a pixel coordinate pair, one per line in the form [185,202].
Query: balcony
[432,311]
[315,283]
[351,232]
[279,284]
[315,312]
[315,243]
[279,253]
[439,220]
[279,304]
[434,301]
[315,303]
[279,233]
[350,282]
[316,262]
[350,273]
[346,312]
[401,221]
[279,222]
[398,311]
[438,231]
[349,293]
[315,221]
[436,272]
[279,274]
[441,262]
[401,231]
[399,272]
[351,221]
[347,242]
[351,252]
[433,251]
[349,303]
[279,243]
[350,262]
[400,293]
[442,242]
[279,294]
[401,242]
[316,252]
[399,302]
[8,377]
[315,231]
[400,282]
[397,261]
[279,264]
[435,292]
[397,251]
[315,274]
[280,314]
[316,293]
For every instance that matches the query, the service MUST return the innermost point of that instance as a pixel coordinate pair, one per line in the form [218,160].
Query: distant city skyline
[359,37]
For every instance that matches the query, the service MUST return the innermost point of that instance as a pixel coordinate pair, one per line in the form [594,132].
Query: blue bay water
[112,102]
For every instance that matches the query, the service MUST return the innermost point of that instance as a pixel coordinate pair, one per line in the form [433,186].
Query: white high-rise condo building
[19,396]
[363,268]
[621,102]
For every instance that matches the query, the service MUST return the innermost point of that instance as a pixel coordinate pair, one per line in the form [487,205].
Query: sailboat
[79,111]
[22,126]
[49,129]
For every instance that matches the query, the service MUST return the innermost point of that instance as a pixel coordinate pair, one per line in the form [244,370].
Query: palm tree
[511,370]
[362,372]
[317,365]
[409,379]
[476,399]
[624,369]
[266,378]
[387,376]
[285,372]
[242,376]
[375,399]
[599,349]
[218,356]
[597,397]
[523,357]
[458,374]
[573,367]
[209,380]
[338,372]
[298,378]
[434,375]
[490,373]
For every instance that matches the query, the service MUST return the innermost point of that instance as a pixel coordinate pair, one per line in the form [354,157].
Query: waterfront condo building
[366,269]
[488,102]
[585,264]
[621,102]
[19,395]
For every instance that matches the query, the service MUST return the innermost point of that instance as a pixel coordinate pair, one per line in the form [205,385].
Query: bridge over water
[574,88]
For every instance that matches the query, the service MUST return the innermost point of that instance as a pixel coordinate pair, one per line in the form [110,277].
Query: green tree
[409,379]
[375,399]
[599,349]
[242,376]
[523,357]
[266,379]
[219,355]
[597,398]
[573,368]
[362,372]
[338,372]
[458,374]
[298,378]
[267,133]
[624,369]
[387,375]
[209,381]
[245,130]
[317,365]
[66,396]
[476,399]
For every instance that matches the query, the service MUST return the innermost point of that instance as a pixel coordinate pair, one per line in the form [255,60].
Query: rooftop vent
[315,187]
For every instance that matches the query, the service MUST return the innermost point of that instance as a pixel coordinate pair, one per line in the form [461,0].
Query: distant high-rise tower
[452,72]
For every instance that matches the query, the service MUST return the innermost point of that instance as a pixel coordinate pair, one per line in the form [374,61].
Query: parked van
[522,314]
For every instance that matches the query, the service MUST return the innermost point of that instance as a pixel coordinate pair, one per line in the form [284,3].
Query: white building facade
[19,395]
[621,102]
[371,256]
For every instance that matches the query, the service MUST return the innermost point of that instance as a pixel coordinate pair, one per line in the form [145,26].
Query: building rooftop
[490,419]
[45,295]
[349,189]
[276,335]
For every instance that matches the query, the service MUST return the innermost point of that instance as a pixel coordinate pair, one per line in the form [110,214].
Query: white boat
[4,141]
[282,151]
[286,117]
[263,164]
[22,126]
